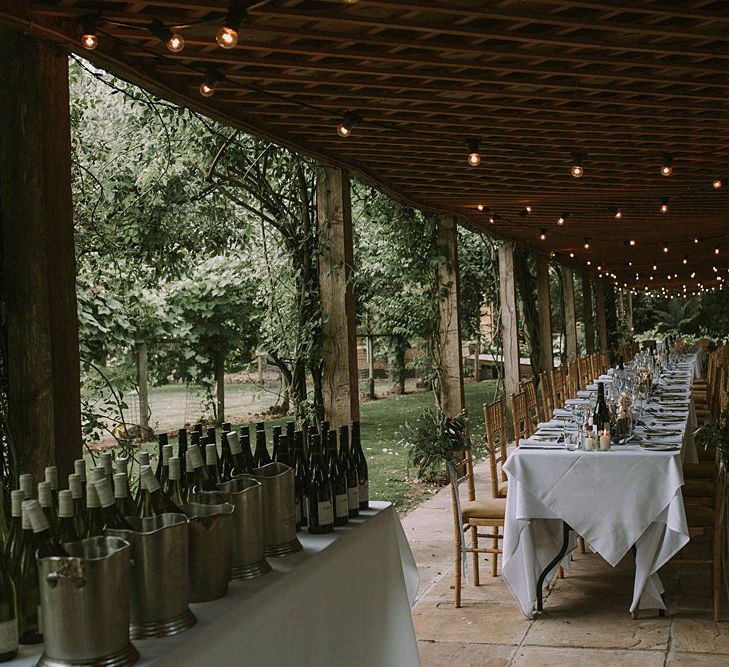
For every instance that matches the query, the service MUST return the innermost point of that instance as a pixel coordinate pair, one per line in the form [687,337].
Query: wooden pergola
[623,91]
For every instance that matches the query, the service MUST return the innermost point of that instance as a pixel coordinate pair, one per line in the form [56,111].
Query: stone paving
[585,621]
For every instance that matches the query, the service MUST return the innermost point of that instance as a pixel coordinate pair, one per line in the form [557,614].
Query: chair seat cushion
[696,487]
[699,516]
[488,508]
[702,470]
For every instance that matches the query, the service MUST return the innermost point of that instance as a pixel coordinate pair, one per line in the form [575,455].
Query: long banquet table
[617,500]
[344,600]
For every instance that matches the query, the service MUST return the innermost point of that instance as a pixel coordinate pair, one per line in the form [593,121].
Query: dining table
[624,499]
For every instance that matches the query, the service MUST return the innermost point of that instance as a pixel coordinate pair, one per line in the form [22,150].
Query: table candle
[605,440]
[589,442]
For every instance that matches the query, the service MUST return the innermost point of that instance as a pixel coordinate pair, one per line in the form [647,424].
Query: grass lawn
[390,478]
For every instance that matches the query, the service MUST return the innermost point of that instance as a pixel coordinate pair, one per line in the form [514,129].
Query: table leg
[540,582]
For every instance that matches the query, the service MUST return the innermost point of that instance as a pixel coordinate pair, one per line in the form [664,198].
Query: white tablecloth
[343,601]
[615,499]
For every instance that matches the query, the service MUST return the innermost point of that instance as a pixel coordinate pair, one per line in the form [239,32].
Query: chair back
[493,415]
[530,389]
[585,372]
[572,380]
[595,366]
[460,471]
[545,382]
[520,416]
[558,387]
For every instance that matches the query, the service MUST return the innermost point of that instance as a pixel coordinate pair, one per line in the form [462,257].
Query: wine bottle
[325,443]
[601,417]
[153,500]
[211,434]
[290,430]
[26,484]
[197,477]
[211,467]
[363,478]
[94,518]
[124,501]
[198,428]
[301,479]
[66,519]
[346,462]
[226,465]
[276,437]
[189,470]
[162,440]
[45,498]
[113,518]
[79,508]
[79,467]
[107,462]
[164,475]
[142,461]
[122,468]
[174,486]
[182,453]
[8,614]
[338,480]
[320,514]
[26,586]
[240,464]
[245,445]
[261,457]
[52,479]
[282,452]
[15,541]
[45,541]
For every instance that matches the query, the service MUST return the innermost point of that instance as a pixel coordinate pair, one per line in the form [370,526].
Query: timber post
[601,319]
[587,316]
[509,328]
[570,318]
[545,313]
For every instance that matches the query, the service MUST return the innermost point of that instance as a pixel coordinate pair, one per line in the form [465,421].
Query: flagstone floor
[585,621]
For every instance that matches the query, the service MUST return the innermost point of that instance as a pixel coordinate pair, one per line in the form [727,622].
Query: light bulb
[716,250]
[543,234]
[206,90]
[577,170]
[586,244]
[696,240]
[666,170]
[349,120]
[491,220]
[474,156]
[572,255]
[560,220]
[632,242]
[664,208]
[685,259]
[618,214]
[480,207]
[717,184]
[343,130]
[588,263]
[89,41]
[227,37]
[175,43]
[528,209]
[655,267]
[665,248]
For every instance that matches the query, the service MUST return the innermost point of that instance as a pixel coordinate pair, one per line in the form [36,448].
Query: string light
[542,234]
[87,26]
[696,240]
[563,218]
[525,212]
[212,79]
[617,213]
[349,120]
[667,168]
[685,259]
[655,267]
[631,242]
[717,184]
[172,40]
[586,244]
[578,165]
[665,248]
[664,205]
[572,255]
[480,207]
[227,36]
[474,156]
[716,250]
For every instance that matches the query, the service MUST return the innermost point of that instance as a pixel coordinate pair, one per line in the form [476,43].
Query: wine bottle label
[234,442]
[341,504]
[325,512]
[9,636]
[364,491]
[353,496]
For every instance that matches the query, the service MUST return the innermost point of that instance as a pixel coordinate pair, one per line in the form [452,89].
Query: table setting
[619,486]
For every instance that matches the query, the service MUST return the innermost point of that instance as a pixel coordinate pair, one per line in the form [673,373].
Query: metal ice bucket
[279,509]
[209,531]
[247,553]
[159,584]
[85,604]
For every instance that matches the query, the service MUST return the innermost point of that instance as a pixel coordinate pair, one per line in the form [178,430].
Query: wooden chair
[585,372]
[558,387]
[545,382]
[595,366]
[493,416]
[530,389]
[520,416]
[572,379]
[468,517]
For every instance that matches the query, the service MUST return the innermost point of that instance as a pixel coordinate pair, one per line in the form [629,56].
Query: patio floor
[585,619]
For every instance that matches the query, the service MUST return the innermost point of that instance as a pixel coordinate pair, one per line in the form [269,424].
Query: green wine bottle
[12,549]
[66,518]
[320,514]
[301,480]
[107,462]
[240,464]
[142,461]
[26,579]
[211,467]
[79,508]
[123,496]
[338,479]
[361,463]
[109,509]
[197,478]
[45,498]
[350,470]
[8,614]
[52,479]
[174,483]
[94,519]
[25,482]
[79,467]
[153,500]
[165,472]
[46,544]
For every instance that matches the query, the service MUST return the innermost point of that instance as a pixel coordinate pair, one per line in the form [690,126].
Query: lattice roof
[534,81]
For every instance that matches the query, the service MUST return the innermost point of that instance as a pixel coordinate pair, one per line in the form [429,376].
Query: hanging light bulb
[667,168]
[542,234]
[618,215]
[664,205]
[227,36]
[685,259]
[87,27]
[586,244]
[578,165]
[588,263]
[349,120]
[632,242]
[563,218]
[172,40]
[665,248]
[479,207]
[716,250]
[572,255]
[528,209]
[655,267]
[492,219]
[212,79]
[474,156]
[717,184]
[693,274]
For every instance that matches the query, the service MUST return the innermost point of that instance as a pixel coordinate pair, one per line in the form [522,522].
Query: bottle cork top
[17,497]
[79,467]
[26,483]
[97,474]
[234,442]
[195,456]
[36,516]
[65,504]
[44,494]
[107,462]
[143,459]
[74,484]
[52,477]
[166,453]
[92,498]
[106,495]
[149,481]
[188,464]
[211,454]
[121,485]
[174,464]
[122,464]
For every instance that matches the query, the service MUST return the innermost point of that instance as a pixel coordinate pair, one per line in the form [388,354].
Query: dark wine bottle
[113,518]
[320,514]
[346,462]
[601,416]
[142,462]
[211,435]
[164,475]
[52,479]
[276,437]
[79,507]
[189,470]
[301,479]
[226,464]
[245,445]
[94,518]
[45,498]
[261,457]
[66,519]
[240,464]
[123,497]
[153,500]
[79,467]
[282,454]
[15,541]
[45,541]
[26,581]
[25,482]
[198,428]
[211,467]
[174,486]
[162,440]
[338,480]
[290,430]
[8,614]
[621,364]
[195,438]
[324,443]
[363,478]
[197,476]
[182,453]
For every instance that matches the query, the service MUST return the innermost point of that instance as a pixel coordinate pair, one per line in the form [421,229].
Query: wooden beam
[545,313]
[448,360]
[339,319]
[587,316]
[509,327]
[601,320]
[570,318]
[38,272]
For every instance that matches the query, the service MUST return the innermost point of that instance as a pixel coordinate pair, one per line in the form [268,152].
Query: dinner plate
[659,448]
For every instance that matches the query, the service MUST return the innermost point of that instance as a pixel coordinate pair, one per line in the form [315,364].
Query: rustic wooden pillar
[570,318]
[339,320]
[545,313]
[601,320]
[509,327]
[448,359]
[587,313]
[39,271]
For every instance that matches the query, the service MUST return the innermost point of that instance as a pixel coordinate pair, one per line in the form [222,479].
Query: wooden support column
[509,328]
[339,319]
[587,313]
[448,359]
[601,320]
[545,313]
[570,318]
[38,259]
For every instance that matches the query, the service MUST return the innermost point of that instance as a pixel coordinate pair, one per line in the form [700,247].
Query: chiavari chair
[493,415]
[520,416]
[545,382]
